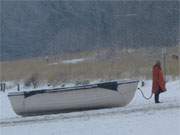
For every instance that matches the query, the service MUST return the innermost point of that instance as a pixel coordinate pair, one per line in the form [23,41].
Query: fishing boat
[57,100]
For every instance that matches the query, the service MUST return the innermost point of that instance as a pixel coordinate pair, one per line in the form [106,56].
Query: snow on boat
[47,101]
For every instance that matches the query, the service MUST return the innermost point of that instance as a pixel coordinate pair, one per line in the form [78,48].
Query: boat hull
[56,101]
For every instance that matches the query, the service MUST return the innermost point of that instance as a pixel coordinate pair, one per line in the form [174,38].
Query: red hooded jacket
[158,80]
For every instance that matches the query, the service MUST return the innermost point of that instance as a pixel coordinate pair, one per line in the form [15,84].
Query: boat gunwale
[68,89]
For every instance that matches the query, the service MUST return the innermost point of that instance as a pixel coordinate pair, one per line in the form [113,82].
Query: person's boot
[156,97]
[157,102]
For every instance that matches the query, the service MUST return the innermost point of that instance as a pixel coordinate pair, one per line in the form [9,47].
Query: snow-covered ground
[139,117]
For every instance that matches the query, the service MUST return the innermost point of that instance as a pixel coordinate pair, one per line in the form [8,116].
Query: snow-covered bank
[91,113]
[164,122]
[139,117]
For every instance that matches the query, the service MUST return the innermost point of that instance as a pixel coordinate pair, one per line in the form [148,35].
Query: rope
[147,98]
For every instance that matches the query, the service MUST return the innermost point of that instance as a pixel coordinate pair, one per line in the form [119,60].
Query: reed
[121,64]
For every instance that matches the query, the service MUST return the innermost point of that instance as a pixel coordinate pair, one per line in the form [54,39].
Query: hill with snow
[40,28]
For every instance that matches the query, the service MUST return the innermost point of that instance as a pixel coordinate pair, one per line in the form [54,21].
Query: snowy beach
[139,117]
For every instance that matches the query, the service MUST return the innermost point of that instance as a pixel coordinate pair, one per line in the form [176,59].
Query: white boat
[47,101]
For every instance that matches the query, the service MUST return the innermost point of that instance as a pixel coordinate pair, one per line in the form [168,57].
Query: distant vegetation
[103,65]
[40,28]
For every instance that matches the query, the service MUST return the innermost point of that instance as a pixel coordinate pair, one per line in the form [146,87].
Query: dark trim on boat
[111,85]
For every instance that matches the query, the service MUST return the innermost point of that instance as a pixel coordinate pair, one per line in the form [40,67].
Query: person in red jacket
[158,85]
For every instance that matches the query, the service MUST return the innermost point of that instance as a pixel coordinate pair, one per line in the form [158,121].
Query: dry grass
[117,65]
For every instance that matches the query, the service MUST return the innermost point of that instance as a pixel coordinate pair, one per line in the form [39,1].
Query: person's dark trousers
[156,97]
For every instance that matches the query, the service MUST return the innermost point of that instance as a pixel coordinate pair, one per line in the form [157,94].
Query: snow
[55,63]
[73,61]
[139,117]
